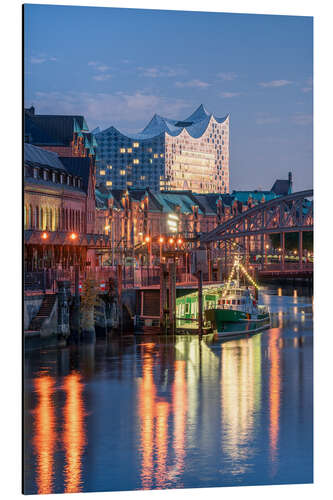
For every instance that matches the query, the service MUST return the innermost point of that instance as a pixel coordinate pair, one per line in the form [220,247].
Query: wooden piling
[200,318]
[163,296]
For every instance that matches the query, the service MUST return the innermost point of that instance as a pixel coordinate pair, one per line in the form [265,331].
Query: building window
[136,144]
[109,183]
[45,176]
[129,150]
[122,150]
[135,161]
[142,178]
[122,172]
[129,183]
[161,155]
[109,167]
[102,172]
[150,161]
[155,155]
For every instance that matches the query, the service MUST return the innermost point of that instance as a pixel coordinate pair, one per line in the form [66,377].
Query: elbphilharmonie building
[188,154]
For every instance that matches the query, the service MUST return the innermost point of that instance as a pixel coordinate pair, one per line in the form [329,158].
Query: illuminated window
[135,144]
[151,161]
[102,172]
[122,172]
[155,155]
[129,150]
[109,183]
[129,183]
[150,150]
[161,155]
[135,161]
[142,178]
[110,167]
[122,150]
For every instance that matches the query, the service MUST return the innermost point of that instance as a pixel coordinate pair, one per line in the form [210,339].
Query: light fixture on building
[147,239]
[179,241]
[161,240]
[73,236]
[171,240]
[45,235]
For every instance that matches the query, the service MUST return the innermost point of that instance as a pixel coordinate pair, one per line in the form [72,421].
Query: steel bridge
[250,230]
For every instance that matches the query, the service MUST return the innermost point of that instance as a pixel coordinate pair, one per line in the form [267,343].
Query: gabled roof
[53,129]
[42,157]
[79,167]
[281,187]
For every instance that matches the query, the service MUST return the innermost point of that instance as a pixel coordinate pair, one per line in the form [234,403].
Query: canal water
[148,412]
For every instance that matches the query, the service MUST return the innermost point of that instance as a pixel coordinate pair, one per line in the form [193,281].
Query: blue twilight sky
[120,66]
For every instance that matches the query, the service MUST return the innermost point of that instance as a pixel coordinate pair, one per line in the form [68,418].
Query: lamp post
[44,237]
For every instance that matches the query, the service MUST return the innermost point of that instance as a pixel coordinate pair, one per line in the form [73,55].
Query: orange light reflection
[45,436]
[274,394]
[74,433]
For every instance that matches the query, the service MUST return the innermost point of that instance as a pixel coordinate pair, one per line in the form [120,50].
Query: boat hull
[227,322]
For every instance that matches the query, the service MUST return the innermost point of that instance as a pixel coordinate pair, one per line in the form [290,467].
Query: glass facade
[168,155]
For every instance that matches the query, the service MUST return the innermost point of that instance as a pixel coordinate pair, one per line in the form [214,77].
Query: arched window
[25,217]
[41,218]
[36,217]
[30,217]
[50,219]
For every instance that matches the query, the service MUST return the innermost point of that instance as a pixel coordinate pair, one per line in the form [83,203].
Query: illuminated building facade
[59,201]
[130,215]
[190,154]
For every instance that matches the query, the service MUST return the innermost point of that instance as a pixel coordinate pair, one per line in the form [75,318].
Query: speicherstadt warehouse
[189,154]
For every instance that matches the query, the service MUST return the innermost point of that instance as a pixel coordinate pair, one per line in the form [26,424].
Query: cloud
[102,77]
[266,119]
[123,109]
[276,83]
[302,119]
[160,71]
[227,76]
[309,85]
[101,69]
[193,83]
[40,59]
[229,95]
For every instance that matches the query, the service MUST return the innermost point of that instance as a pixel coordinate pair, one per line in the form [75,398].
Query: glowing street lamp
[179,241]
[171,240]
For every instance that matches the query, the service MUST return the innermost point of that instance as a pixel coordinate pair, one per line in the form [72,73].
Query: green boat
[237,311]
[229,309]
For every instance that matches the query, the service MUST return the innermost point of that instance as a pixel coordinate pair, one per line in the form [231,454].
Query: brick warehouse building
[129,216]
[59,229]
[189,154]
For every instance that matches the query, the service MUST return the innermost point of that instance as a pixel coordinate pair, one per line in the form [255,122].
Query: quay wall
[31,307]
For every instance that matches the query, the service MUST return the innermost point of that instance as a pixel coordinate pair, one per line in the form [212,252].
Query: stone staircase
[43,313]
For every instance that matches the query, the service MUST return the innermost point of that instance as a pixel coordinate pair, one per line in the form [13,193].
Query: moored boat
[237,310]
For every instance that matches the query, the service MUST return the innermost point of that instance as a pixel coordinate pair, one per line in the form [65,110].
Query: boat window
[234,302]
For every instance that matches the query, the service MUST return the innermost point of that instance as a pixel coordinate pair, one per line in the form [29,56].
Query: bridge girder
[289,213]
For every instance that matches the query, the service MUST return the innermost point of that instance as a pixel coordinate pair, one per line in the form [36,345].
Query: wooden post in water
[163,296]
[172,297]
[120,303]
[199,274]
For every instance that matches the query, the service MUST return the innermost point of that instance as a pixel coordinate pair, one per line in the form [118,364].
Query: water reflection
[45,436]
[240,399]
[274,395]
[174,412]
[74,435]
